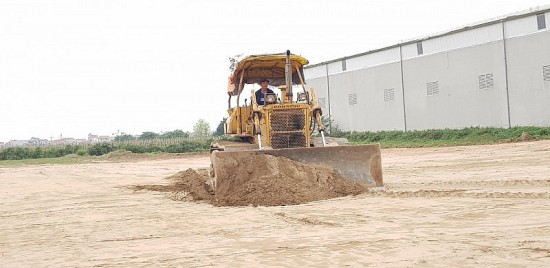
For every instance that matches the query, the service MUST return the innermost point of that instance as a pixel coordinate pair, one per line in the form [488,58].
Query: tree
[148,135]
[174,134]
[124,137]
[220,128]
[201,129]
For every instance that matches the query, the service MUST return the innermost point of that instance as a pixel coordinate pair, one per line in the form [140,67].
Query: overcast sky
[75,67]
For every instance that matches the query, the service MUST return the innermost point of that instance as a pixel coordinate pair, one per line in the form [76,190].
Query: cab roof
[270,66]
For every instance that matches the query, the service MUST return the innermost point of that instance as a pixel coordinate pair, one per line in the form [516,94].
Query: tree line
[175,141]
[201,130]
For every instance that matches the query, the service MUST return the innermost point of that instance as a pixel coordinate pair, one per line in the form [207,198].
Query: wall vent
[389,94]
[486,81]
[343,64]
[322,102]
[432,88]
[352,98]
[546,72]
[541,21]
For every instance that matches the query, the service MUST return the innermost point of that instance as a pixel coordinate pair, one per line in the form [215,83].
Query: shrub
[100,148]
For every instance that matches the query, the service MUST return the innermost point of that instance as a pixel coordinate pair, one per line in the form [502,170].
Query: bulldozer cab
[286,118]
[252,69]
[285,125]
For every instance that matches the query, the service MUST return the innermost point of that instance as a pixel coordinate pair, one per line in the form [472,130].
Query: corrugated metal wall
[492,75]
[373,59]
[454,41]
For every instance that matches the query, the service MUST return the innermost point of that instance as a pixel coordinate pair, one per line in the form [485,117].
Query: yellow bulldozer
[288,124]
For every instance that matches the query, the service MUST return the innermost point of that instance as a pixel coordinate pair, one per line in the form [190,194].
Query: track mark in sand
[492,183]
[131,238]
[459,193]
[533,246]
[305,220]
[518,189]
[539,250]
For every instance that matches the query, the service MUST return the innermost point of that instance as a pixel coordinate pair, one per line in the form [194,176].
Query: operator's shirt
[260,97]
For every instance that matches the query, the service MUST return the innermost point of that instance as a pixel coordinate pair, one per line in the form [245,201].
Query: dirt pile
[525,137]
[119,154]
[270,181]
[186,185]
[262,180]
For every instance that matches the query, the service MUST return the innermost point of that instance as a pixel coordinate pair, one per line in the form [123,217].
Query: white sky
[75,67]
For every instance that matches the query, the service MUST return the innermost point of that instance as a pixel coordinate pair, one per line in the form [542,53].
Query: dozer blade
[359,163]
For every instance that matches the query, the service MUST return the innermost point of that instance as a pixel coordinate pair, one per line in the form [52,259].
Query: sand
[260,180]
[474,206]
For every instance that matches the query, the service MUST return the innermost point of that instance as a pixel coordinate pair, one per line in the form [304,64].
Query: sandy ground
[475,206]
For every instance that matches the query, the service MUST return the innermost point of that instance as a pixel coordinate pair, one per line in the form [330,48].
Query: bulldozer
[288,124]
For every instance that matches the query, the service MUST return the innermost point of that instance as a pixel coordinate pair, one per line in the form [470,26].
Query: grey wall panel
[529,92]
[409,51]
[521,26]
[358,99]
[459,102]
[473,37]
[321,90]
[314,72]
[463,39]
[372,59]
[335,67]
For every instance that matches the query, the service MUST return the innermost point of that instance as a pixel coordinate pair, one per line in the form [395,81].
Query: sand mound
[525,137]
[270,181]
[186,185]
[121,153]
[262,180]
[191,184]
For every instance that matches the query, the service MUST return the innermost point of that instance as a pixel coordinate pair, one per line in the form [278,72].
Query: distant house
[92,138]
[63,141]
[96,138]
[17,143]
[104,138]
[38,142]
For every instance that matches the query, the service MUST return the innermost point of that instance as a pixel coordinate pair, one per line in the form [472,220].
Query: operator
[262,92]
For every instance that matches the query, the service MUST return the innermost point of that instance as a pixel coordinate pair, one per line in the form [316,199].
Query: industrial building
[490,74]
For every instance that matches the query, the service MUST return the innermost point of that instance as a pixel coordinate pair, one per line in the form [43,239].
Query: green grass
[447,137]
[98,149]
[116,156]
[167,148]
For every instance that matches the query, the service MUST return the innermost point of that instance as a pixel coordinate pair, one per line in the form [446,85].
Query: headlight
[302,96]
[270,98]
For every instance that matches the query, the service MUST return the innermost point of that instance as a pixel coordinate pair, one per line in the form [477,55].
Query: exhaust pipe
[288,77]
